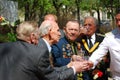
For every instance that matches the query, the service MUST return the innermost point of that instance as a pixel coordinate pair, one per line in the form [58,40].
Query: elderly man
[17,59]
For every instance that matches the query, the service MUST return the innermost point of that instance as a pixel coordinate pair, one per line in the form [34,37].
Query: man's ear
[49,33]
[64,28]
[32,35]
[33,38]
[49,30]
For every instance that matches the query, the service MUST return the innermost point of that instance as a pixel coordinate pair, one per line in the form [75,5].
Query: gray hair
[25,29]
[45,27]
[95,20]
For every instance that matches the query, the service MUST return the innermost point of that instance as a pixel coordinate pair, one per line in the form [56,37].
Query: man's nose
[59,33]
[87,26]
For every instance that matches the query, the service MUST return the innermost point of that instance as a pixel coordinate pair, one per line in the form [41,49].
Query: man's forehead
[89,19]
[55,25]
[118,16]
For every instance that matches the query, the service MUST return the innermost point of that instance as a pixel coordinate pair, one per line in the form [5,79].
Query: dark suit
[23,61]
[103,65]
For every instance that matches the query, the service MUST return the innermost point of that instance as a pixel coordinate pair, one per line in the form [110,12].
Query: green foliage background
[64,9]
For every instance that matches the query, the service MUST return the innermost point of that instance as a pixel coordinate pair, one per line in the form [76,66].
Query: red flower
[100,73]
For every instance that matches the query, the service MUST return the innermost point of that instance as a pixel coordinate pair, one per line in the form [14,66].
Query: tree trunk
[99,20]
[78,10]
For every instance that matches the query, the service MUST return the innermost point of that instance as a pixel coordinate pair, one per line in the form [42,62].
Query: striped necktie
[51,59]
[73,48]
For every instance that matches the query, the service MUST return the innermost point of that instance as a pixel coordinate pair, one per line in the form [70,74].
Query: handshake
[79,64]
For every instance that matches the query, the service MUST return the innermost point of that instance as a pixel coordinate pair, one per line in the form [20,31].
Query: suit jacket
[62,52]
[23,61]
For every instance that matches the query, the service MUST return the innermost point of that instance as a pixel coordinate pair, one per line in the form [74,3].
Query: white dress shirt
[92,39]
[48,45]
[110,43]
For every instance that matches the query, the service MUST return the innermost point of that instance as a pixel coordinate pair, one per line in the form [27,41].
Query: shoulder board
[108,34]
[100,34]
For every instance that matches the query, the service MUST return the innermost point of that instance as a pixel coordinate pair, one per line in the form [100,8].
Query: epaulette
[100,34]
[108,34]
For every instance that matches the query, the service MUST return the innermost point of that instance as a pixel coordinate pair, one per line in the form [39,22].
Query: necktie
[73,48]
[90,43]
[51,59]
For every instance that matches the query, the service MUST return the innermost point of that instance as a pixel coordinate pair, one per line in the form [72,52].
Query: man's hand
[80,66]
[90,63]
[77,58]
[70,64]
[83,31]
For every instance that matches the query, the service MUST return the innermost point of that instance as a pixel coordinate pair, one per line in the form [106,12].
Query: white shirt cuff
[74,69]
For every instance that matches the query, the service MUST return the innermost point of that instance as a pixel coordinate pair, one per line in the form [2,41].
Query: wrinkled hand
[70,64]
[90,63]
[77,58]
[83,30]
[80,66]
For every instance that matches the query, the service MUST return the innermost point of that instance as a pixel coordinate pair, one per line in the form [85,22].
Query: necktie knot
[90,42]
[89,37]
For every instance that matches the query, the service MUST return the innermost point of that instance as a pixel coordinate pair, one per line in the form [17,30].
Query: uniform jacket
[62,54]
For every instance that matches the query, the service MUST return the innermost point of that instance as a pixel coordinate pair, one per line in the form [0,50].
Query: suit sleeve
[61,73]
[56,73]
[46,72]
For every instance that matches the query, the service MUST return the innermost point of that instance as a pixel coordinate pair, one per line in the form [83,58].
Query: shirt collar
[93,37]
[48,45]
